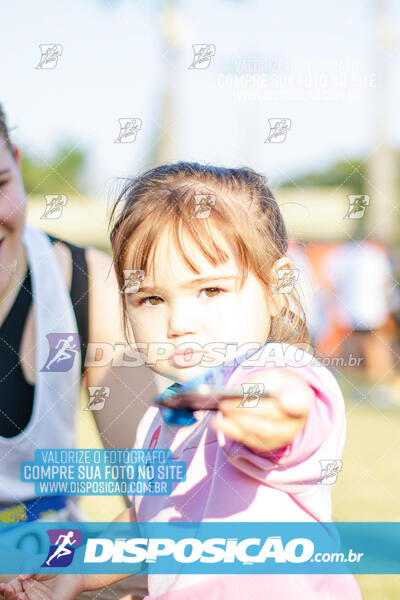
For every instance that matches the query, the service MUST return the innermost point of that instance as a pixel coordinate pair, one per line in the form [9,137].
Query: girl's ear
[283,264]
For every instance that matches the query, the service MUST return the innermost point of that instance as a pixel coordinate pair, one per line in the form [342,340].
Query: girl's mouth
[187,358]
[187,351]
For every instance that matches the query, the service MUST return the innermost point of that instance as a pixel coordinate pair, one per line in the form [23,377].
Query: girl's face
[177,308]
[12,211]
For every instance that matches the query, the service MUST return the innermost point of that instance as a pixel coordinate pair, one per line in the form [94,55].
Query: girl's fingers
[9,592]
[260,434]
[3,591]
[268,408]
[231,428]
[297,404]
[291,392]
[266,431]
[235,431]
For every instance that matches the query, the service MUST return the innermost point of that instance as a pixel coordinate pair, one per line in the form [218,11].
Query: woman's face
[12,211]
[173,309]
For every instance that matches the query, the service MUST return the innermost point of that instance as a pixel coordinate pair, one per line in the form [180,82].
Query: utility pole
[382,216]
[165,130]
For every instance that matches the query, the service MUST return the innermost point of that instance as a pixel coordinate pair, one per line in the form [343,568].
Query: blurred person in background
[394,305]
[311,295]
[48,285]
[360,274]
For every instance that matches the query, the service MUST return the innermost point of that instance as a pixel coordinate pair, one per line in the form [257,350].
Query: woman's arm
[132,388]
[64,586]
[95,581]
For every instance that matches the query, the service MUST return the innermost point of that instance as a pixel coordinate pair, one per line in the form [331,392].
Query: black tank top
[16,394]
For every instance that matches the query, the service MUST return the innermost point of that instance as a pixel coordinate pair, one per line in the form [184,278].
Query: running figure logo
[330,470]
[251,394]
[97,397]
[62,547]
[357,206]
[286,280]
[132,279]
[55,204]
[128,129]
[50,54]
[204,203]
[63,348]
[278,129]
[203,54]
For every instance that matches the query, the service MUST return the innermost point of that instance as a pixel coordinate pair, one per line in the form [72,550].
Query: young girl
[212,244]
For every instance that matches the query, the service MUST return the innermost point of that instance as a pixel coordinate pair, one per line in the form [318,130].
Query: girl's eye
[212,291]
[3,182]
[143,300]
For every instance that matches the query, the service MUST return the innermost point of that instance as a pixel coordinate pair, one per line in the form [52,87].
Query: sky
[310,62]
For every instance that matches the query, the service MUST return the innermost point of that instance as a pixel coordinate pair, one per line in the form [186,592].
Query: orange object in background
[330,341]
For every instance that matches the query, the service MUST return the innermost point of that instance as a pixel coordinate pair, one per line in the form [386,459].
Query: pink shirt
[227,481]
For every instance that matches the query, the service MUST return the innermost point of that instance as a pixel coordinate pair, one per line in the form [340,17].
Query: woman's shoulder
[89,275]
[64,257]
[86,260]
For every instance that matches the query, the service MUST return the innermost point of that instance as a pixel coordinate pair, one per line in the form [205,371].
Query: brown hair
[244,209]
[4,129]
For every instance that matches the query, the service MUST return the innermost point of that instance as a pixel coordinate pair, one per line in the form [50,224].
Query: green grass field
[367,488]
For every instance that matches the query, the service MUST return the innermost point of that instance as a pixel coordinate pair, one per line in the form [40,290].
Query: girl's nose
[183,319]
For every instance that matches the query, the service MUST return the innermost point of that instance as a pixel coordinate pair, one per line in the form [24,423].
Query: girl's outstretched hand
[269,423]
[42,587]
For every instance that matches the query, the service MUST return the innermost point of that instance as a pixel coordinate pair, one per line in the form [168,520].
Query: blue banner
[208,547]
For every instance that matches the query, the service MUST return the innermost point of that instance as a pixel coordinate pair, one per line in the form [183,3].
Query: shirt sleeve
[326,417]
